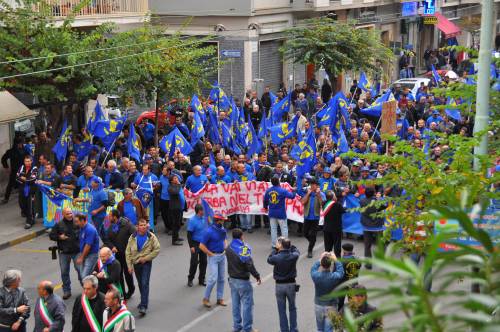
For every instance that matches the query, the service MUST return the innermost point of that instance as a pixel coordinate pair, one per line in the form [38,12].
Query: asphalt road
[173,306]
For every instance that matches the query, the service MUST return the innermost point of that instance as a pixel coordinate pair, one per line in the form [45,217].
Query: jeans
[286,292]
[245,221]
[98,223]
[323,323]
[274,222]
[88,265]
[143,273]
[64,264]
[216,271]
[242,298]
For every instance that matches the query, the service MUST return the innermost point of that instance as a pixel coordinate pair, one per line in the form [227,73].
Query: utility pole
[483,79]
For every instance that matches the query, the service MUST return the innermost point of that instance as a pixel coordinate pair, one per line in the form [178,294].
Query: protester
[326,274]
[275,202]
[176,207]
[214,244]
[14,304]
[131,207]
[351,266]
[143,246]
[284,259]
[196,227]
[108,271]
[358,305]
[118,234]
[239,267]
[332,226]
[26,177]
[313,202]
[89,246]
[88,307]
[12,160]
[49,309]
[116,317]
[66,234]
[372,224]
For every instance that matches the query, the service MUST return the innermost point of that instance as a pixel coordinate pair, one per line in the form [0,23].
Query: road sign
[429,7]
[430,20]
[231,53]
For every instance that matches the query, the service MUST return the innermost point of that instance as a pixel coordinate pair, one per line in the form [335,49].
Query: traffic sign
[231,53]
[429,7]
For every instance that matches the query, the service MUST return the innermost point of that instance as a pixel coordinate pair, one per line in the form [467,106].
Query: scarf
[243,251]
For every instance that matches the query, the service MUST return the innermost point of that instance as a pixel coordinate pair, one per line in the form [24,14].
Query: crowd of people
[107,258]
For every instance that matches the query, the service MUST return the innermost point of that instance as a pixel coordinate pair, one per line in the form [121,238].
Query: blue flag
[175,140]
[375,90]
[83,149]
[375,109]
[351,221]
[452,111]
[435,75]
[61,148]
[212,158]
[133,144]
[145,195]
[328,115]
[218,96]
[96,116]
[263,127]
[234,114]
[342,144]
[213,128]
[104,128]
[273,97]
[343,109]
[208,212]
[197,129]
[254,145]
[307,154]
[196,106]
[363,83]
[228,141]
[284,131]
[55,197]
[281,108]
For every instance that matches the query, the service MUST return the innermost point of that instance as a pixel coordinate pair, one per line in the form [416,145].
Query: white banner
[240,198]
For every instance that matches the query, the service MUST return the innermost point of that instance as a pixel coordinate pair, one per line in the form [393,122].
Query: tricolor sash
[117,317]
[327,208]
[101,268]
[89,314]
[44,313]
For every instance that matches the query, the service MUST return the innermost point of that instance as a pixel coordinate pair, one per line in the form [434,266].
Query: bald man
[65,233]
[49,309]
[108,271]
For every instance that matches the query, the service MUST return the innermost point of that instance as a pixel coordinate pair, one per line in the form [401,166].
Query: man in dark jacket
[284,259]
[65,233]
[240,266]
[14,308]
[91,301]
[108,271]
[49,309]
[332,227]
[118,234]
[26,177]
[15,156]
[373,226]
[112,178]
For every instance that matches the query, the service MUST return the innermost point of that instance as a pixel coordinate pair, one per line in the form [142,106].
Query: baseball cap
[356,163]
[327,170]
[365,169]
[435,112]
[220,217]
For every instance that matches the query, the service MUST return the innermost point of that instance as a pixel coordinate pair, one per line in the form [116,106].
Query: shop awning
[11,109]
[446,26]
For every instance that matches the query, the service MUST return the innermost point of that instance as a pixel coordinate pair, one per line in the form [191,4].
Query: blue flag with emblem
[435,75]
[145,195]
[375,109]
[281,108]
[254,144]
[213,128]
[363,82]
[208,212]
[234,114]
[452,111]
[263,127]
[343,110]
[55,197]
[175,140]
[197,129]
[61,148]
[218,96]
[342,144]
[228,141]
[307,154]
[284,131]
[109,130]
[133,146]
[273,97]
[96,116]
[196,106]
[328,115]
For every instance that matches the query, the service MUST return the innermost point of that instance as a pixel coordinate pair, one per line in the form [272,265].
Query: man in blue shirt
[145,180]
[275,202]
[326,182]
[313,202]
[436,118]
[98,201]
[196,181]
[148,130]
[221,177]
[207,169]
[325,280]
[89,246]
[196,227]
[213,244]
[242,176]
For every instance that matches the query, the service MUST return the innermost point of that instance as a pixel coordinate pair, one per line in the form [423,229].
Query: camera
[53,251]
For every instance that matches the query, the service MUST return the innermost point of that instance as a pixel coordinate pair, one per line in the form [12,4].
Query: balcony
[96,12]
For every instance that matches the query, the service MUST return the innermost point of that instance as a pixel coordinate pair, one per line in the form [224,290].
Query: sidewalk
[12,230]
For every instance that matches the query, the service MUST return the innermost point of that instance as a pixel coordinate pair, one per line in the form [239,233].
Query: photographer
[65,233]
[284,259]
[325,280]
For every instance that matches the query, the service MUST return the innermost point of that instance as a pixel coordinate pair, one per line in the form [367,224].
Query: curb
[22,239]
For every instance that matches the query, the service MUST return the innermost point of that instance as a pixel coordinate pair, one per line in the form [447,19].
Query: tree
[335,46]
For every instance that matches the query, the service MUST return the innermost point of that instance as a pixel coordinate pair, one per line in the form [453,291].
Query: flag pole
[107,152]
[354,93]
[374,130]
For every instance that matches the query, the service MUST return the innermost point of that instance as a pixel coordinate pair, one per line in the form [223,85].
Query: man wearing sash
[108,271]
[332,227]
[116,317]
[88,308]
[49,309]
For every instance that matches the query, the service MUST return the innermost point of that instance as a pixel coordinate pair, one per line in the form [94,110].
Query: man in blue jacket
[274,202]
[325,280]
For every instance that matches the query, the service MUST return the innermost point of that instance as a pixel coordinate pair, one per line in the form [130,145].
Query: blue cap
[147,156]
[365,169]
[435,112]
[327,170]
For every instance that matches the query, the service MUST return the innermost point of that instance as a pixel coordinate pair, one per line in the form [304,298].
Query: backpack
[111,201]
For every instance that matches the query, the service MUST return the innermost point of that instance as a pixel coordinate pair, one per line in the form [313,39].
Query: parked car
[412,83]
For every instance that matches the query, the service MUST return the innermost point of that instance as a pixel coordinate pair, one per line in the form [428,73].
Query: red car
[150,115]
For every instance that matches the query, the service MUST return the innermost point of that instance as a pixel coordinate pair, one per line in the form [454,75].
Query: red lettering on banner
[259,196]
[251,185]
[262,186]
[297,206]
[232,201]
[243,199]
[234,187]
[211,189]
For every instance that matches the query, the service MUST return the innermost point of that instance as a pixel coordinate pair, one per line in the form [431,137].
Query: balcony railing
[94,8]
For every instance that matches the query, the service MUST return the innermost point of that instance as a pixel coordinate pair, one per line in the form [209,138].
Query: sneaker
[66,296]
[28,226]
[309,254]
[142,312]
[221,303]
[206,303]
[190,283]
[177,243]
